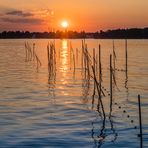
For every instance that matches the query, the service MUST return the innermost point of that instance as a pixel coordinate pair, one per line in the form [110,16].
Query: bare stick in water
[114,56]
[111,97]
[100,74]
[100,100]
[94,65]
[126,57]
[140,121]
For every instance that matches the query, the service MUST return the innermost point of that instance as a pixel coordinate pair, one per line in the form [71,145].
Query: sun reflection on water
[64,61]
[64,44]
[64,55]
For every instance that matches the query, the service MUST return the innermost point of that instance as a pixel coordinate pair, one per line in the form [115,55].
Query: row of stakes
[90,65]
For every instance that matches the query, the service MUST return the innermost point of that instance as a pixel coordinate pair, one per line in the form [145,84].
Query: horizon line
[104,30]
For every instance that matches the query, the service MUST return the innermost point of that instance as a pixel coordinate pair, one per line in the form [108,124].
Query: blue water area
[57,110]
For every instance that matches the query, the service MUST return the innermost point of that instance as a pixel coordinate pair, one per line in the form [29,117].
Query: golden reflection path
[64,65]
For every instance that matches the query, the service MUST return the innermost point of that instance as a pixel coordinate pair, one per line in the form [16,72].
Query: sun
[64,24]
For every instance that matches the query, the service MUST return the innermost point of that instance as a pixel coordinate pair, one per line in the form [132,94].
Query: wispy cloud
[19,13]
[33,19]
[22,20]
[19,16]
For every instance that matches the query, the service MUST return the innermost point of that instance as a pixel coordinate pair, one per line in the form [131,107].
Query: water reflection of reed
[99,135]
[113,129]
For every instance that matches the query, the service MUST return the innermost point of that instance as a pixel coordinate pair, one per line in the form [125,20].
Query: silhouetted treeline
[133,33]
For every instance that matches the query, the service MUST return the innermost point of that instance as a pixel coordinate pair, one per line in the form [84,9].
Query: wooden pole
[94,69]
[82,55]
[114,56]
[48,52]
[33,52]
[111,84]
[100,70]
[126,57]
[100,100]
[77,55]
[140,121]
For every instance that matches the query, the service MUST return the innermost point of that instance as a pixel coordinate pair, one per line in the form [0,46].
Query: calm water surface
[37,112]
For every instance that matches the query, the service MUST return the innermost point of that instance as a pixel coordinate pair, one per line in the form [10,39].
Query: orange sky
[88,15]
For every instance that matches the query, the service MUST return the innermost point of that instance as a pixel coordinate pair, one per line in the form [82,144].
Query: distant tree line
[133,33]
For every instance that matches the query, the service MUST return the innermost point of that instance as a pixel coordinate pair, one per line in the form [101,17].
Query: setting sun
[64,24]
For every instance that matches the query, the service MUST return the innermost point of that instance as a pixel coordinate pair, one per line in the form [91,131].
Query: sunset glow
[73,73]
[64,24]
[99,15]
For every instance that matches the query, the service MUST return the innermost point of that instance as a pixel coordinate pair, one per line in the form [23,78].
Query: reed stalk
[94,65]
[31,54]
[114,56]
[33,51]
[77,55]
[98,90]
[126,58]
[111,75]
[73,57]
[51,56]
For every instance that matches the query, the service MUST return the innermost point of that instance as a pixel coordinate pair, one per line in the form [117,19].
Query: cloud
[19,13]
[22,20]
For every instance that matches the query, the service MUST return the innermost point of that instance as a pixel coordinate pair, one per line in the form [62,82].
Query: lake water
[38,112]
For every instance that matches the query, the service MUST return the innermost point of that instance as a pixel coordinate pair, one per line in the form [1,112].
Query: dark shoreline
[76,38]
[132,33]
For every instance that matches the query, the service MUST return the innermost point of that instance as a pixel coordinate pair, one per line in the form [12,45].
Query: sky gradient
[88,15]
